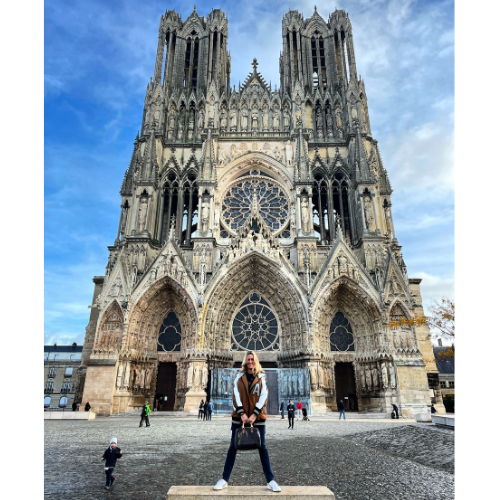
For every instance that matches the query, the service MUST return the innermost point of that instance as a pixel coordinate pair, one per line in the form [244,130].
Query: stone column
[210,55]
[292,71]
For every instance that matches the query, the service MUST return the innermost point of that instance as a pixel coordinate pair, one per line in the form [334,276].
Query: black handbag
[247,438]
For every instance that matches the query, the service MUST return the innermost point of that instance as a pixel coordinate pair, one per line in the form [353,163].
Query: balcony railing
[49,390]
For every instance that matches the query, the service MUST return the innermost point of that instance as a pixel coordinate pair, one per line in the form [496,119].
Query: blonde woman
[249,404]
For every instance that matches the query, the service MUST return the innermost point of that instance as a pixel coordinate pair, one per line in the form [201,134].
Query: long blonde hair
[256,369]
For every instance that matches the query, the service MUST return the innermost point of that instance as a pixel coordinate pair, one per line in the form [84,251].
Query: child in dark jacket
[111,455]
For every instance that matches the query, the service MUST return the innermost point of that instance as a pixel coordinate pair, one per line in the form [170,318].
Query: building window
[56,357]
[451,384]
[46,401]
[169,338]
[255,326]
[442,383]
[49,387]
[63,402]
[341,338]
[45,356]
[72,357]
[52,372]
[66,387]
[68,372]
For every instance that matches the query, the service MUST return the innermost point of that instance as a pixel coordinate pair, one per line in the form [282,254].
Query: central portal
[165,386]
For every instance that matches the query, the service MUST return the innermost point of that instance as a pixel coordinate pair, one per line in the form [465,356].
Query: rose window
[255,327]
[341,338]
[260,193]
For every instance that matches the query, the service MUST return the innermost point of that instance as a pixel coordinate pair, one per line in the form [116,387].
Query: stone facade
[255,218]
[60,372]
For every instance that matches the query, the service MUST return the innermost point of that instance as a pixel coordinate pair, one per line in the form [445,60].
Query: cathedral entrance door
[272,397]
[345,386]
[165,385]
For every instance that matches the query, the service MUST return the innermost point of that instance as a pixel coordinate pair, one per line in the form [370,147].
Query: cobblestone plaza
[356,459]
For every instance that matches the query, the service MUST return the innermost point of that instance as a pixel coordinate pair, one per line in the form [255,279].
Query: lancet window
[170,334]
[191,62]
[341,338]
[318,61]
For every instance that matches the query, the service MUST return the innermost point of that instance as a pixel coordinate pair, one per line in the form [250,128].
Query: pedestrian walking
[73,406]
[395,409]
[250,401]
[291,413]
[111,455]
[205,410]
[200,409]
[145,414]
[299,409]
[282,409]
[87,406]
[341,410]
[433,410]
[210,410]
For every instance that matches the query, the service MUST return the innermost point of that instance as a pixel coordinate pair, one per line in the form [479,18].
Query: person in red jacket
[299,409]
[249,402]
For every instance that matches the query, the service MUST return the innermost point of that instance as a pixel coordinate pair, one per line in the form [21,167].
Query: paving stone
[357,460]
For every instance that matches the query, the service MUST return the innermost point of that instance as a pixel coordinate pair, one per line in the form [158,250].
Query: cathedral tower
[259,219]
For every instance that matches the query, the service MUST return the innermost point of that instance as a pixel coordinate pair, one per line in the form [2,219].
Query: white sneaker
[221,484]
[273,485]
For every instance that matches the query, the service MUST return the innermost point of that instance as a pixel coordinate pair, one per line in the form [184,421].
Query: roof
[62,348]
[444,363]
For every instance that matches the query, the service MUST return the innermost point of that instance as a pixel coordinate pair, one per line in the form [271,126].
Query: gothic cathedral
[256,219]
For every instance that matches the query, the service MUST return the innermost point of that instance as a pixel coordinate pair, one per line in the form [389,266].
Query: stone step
[249,493]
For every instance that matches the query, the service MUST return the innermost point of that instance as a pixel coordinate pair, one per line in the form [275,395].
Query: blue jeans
[264,455]
[340,415]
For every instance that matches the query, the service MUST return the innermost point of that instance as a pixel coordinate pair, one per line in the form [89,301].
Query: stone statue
[392,375]
[375,377]
[197,377]
[205,377]
[362,378]
[329,123]
[223,120]
[338,117]
[319,124]
[369,217]
[314,377]
[141,219]
[385,379]
[304,213]
[190,125]
[286,119]
[127,376]
[149,374]
[189,376]
[388,221]
[255,119]
[394,286]
[222,157]
[201,121]
[276,118]
[119,377]
[343,264]
[368,375]
[265,118]
[232,120]
[244,119]
[204,215]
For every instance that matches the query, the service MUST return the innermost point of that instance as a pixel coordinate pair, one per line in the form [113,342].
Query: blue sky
[99,57]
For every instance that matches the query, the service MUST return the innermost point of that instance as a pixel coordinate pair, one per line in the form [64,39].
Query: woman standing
[249,398]
[291,413]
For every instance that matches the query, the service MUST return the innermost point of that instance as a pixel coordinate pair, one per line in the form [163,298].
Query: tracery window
[263,193]
[341,338]
[255,326]
[169,338]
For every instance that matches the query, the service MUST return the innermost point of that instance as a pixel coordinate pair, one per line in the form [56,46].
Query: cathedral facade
[256,219]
